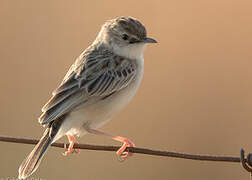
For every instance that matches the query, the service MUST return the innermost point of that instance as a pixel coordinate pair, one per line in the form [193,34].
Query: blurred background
[195,96]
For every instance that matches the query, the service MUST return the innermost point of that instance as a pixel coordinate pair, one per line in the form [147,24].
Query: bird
[101,82]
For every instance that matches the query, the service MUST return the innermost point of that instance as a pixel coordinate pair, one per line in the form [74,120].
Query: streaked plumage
[97,73]
[103,79]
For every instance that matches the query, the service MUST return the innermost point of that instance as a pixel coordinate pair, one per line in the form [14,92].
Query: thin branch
[134,150]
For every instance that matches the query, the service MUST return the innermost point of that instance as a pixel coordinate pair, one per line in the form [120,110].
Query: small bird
[102,80]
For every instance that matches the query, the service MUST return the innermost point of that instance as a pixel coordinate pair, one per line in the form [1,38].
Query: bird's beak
[149,40]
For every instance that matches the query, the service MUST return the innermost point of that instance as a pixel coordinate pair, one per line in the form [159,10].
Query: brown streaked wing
[95,75]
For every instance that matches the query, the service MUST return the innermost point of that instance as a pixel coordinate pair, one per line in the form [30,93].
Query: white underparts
[132,51]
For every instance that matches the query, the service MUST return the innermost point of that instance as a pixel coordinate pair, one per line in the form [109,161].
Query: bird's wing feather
[95,74]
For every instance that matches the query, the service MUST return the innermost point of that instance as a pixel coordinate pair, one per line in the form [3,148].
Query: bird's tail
[31,163]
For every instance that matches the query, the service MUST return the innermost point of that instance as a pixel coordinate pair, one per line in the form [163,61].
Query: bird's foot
[70,149]
[122,154]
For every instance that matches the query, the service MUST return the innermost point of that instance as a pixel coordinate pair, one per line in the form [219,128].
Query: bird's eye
[125,37]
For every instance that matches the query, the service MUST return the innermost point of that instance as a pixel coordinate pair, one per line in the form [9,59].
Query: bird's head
[126,36]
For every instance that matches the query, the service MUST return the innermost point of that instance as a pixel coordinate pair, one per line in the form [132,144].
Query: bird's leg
[121,151]
[70,149]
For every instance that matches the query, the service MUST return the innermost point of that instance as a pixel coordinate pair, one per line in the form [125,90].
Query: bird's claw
[122,154]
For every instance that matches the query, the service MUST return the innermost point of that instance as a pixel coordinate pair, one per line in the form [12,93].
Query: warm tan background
[196,94]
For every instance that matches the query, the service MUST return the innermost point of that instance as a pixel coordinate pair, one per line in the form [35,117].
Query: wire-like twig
[134,150]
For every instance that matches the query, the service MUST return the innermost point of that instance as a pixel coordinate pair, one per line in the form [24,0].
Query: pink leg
[126,143]
[70,149]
